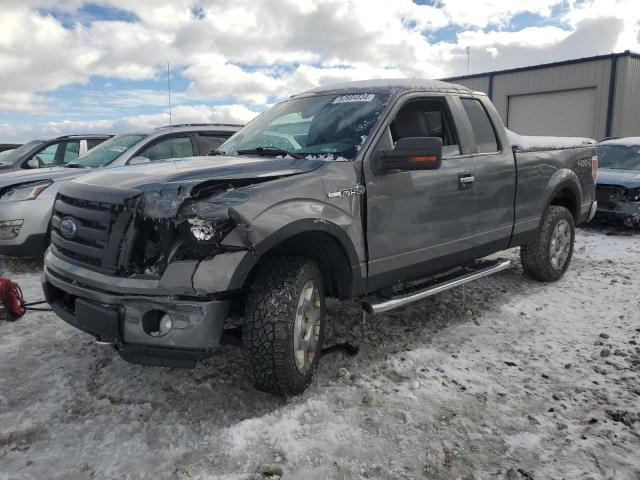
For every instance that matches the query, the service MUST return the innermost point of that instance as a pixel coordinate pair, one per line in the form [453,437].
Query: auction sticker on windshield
[118,149]
[358,97]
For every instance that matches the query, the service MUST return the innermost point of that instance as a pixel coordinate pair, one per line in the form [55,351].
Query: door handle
[466,181]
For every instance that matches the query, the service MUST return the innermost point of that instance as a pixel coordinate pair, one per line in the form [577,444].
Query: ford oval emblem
[68,228]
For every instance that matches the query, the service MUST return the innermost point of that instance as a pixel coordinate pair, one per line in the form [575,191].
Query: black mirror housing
[410,153]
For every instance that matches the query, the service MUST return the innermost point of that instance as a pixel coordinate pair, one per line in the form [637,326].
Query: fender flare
[296,227]
[563,178]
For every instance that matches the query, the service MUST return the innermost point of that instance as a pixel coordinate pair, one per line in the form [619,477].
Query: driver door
[420,222]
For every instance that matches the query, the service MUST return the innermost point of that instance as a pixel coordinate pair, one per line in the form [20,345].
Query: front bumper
[31,238]
[119,318]
[620,212]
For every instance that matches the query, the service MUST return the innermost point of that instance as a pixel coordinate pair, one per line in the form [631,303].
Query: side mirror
[139,160]
[33,163]
[410,153]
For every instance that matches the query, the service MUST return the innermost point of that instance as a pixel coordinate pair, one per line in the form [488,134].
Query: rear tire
[549,256]
[284,322]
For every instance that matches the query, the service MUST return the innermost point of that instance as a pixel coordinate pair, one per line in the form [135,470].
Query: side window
[93,142]
[71,150]
[481,125]
[47,156]
[426,118]
[174,147]
[208,142]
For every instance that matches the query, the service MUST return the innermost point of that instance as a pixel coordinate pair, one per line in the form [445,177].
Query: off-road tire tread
[535,257]
[269,314]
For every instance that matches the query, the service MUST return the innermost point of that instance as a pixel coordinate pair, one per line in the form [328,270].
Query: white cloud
[238,114]
[252,51]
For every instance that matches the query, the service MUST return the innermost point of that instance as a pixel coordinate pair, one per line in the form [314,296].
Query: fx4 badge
[348,192]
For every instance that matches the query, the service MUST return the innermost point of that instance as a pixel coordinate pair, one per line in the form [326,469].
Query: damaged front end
[145,272]
[187,235]
[618,204]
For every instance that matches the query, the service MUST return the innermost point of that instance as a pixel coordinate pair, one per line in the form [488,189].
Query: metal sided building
[593,97]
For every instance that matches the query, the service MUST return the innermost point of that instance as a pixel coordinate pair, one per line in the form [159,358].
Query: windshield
[106,152]
[621,157]
[330,127]
[12,156]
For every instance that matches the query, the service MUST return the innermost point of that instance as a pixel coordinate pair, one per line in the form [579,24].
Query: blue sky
[70,66]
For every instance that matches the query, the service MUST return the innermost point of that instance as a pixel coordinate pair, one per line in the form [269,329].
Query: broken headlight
[209,230]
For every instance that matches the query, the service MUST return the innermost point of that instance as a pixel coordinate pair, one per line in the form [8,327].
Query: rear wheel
[284,320]
[549,256]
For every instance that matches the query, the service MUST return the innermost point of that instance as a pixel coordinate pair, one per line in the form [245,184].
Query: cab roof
[390,86]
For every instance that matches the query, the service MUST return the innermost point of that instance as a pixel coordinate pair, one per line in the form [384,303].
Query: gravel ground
[527,380]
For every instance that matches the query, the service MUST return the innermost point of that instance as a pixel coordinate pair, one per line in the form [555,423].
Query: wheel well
[326,251]
[567,198]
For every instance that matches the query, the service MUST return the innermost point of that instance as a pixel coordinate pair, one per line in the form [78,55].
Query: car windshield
[106,152]
[13,156]
[622,157]
[329,127]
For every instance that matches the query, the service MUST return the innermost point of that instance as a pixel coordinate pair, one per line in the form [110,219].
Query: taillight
[594,167]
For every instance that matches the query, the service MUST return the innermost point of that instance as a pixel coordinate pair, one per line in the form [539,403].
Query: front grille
[608,195]
[100,232]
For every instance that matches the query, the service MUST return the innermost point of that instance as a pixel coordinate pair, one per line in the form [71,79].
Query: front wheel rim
[306,330]
[560,245]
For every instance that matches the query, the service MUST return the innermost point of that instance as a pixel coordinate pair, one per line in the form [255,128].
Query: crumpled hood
[194,170]
[164,186]
[24,176]
[622,178]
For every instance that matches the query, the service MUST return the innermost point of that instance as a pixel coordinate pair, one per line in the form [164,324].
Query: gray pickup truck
[384,192]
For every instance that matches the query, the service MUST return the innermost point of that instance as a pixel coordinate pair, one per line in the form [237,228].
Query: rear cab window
[481,126]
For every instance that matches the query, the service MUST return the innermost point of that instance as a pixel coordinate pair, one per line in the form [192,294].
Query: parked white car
[27,197]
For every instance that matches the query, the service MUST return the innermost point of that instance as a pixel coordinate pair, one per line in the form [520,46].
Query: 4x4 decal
[348,192]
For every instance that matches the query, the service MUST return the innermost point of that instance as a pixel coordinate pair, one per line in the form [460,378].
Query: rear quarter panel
[542,174]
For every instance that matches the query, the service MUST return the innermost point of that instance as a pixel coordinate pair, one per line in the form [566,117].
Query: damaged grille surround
[131,237]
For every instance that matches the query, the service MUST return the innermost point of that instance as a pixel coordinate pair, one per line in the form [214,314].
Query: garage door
[569,113]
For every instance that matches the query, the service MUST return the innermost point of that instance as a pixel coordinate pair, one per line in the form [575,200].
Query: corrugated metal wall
[590,73]
[593,74]
[626,112]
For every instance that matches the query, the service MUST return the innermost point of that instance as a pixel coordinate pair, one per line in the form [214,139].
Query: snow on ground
[528,381]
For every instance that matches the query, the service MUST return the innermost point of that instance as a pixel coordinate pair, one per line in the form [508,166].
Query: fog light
[10,229]
[166,322]
[157,323]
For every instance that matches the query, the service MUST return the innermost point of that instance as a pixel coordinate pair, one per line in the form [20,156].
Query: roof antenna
[468,50]
[169,91]
[170,118]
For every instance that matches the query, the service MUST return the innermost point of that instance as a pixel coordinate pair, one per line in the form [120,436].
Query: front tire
[548,258]
[284,322]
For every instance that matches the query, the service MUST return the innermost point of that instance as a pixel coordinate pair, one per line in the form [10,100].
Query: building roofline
[626,53]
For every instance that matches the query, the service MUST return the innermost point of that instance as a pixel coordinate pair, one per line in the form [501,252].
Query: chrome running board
[416,293]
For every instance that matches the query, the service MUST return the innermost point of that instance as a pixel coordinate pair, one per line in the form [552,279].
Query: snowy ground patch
[529,380]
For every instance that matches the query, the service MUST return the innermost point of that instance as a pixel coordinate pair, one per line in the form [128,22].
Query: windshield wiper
[75,165]
[268,151]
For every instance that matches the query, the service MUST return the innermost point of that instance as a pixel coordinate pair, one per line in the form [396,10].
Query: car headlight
[24,191]
[633,195]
